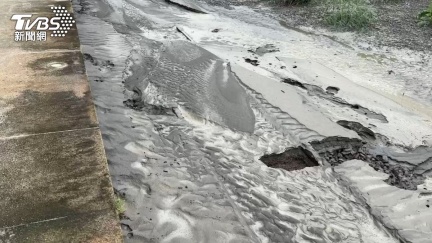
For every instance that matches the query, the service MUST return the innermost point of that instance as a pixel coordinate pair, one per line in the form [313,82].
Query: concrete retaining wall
[54,180]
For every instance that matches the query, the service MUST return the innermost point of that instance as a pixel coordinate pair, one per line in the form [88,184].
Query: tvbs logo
[29,29]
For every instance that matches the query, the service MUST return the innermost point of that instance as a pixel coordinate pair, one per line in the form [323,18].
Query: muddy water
[183,138]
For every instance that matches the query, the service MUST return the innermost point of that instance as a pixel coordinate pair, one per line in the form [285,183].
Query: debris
[252,61]
[90,58]
[181,30]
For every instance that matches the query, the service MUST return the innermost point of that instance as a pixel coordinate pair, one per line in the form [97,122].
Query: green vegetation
[341,14]
[425,17]
[349,14]
[291,2]
[384,1]
[352,14]
[120,205]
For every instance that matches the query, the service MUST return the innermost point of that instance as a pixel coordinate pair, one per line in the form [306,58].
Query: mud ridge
[181,30]
[184,6]
[361,130]
[314,90]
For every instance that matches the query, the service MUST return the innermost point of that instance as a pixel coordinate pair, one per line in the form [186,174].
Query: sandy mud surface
[221,124]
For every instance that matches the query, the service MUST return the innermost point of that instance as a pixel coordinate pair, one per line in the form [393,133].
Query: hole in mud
[292,159]
[332,90]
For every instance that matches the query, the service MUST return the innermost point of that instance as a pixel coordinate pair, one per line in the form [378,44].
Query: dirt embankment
[396,24]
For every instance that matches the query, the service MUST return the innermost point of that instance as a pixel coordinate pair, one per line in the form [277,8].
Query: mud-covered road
[224,125]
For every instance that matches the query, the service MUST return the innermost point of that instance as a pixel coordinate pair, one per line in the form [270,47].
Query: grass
[342,14]
[349,14]
[385,1]
[120,205]
[291,2]
[353,15]
[425,17]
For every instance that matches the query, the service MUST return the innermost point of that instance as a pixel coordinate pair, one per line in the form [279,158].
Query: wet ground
[291,159]
[193,106]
